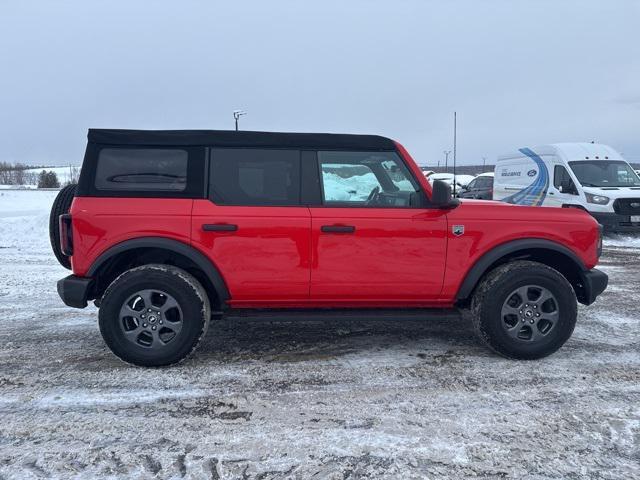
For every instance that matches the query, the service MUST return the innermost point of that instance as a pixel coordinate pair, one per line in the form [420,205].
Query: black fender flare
[489,258]
[205,264]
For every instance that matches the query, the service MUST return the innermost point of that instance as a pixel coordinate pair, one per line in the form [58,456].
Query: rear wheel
[524,310]
[154,315]
[61,205]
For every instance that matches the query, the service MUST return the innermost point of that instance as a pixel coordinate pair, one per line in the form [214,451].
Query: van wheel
[61,205]
[154,315]
[524,310]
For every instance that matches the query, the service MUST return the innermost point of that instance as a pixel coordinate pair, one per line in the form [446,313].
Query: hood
[493,203]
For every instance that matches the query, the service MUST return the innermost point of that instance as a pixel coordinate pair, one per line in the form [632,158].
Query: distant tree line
[21,174]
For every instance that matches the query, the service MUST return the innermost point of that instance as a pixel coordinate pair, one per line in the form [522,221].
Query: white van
[590,176]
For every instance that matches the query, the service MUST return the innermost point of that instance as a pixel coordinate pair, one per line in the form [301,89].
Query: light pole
[236,115]
[446,160]
[484,162]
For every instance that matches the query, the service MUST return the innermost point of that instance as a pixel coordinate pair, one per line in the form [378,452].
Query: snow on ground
[411,397]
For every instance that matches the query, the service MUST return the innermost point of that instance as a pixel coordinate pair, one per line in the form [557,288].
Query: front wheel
[524,310]
[154,315]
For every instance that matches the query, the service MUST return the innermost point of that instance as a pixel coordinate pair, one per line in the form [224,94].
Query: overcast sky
[518,73]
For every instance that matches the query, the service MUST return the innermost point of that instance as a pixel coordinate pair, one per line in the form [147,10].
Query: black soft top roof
[231,138]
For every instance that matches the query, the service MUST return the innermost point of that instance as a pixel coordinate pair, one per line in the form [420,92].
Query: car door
[483,188]
[253,226]
[374,242]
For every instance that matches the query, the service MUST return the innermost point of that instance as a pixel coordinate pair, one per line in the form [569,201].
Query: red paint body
[279,257]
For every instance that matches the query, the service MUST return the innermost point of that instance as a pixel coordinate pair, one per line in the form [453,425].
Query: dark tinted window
[142,169]
[247,176]
[484,182]
[562,181]
[605,173]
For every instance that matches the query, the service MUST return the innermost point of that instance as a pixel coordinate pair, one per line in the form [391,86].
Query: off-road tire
[61,205]
[187,292]
[493,291]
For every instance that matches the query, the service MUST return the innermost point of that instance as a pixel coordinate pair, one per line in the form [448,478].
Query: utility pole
[484,162]
[446,160]
[236,115]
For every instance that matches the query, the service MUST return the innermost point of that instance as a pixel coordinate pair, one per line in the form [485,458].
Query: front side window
[605,173]
[251,176]
[142,169]
[562,180]
[377,179]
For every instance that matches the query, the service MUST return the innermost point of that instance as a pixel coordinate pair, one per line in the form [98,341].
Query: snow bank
[24,219]
[624,241]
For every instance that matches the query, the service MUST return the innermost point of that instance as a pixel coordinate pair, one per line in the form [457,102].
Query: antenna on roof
[236,115]
[454,151]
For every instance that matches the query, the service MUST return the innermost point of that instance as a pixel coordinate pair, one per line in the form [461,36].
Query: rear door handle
[338,228]
[219,227]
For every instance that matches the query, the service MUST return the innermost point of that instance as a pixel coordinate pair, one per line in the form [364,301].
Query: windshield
[605,173]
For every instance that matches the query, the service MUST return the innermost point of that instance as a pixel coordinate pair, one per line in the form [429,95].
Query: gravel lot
[412,397]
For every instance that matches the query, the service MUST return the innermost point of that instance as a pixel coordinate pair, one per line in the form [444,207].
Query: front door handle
[338,228]
[219,227]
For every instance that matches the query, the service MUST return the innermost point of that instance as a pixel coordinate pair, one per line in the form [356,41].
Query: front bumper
[614,222]
[74,291]
[594,282]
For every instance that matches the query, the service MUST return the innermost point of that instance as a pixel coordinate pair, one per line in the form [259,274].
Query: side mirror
[441,195]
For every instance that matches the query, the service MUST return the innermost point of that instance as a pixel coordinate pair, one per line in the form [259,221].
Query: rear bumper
[594,282]
[614,222]
[74,291]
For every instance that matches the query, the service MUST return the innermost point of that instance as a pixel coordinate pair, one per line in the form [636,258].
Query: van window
[142,169]
[251,176]
[562,180]
[605,173]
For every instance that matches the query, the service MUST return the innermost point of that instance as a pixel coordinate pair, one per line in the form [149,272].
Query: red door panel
[265,259]
[390,256]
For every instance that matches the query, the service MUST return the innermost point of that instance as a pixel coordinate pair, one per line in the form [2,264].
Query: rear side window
[142,169]
[258,177]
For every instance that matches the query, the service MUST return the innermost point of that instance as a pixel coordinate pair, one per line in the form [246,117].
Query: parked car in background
[445,177]
[586,176]
[449,178]
[481,188]
[464,180]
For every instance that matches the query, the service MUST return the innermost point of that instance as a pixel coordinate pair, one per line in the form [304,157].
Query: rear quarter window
[142,169]
[132,171]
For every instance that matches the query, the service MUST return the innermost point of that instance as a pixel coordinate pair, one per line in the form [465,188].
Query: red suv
[167,229]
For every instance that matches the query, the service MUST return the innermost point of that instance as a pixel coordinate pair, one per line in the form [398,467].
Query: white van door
[564,190]
[525,182]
